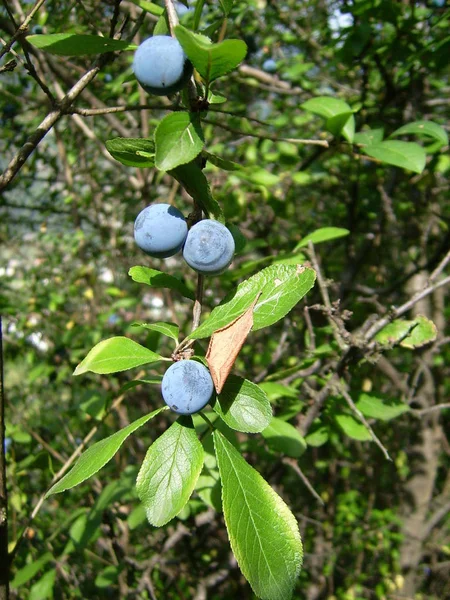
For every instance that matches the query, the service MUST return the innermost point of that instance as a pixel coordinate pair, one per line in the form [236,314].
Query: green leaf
[331,109]
[158,279]
[226,6]
[162,25]
[150,7]
[96,457]
[376,408]
[169,329]
[169,472]
[210,60]
[107,576]
[285,438]
[43,588]
[318,435]
[243,405]
[178,140]
[132,152]
[406,155]
[260,177]
[281,288]
[368,137]
[222,163]
[155,380]
[240,240]
[324,234]
[196,185]
[353,428]
[71,44]
[29,571]
[276,390]
[116,354]
[427,128]
[410,334]
[263,532]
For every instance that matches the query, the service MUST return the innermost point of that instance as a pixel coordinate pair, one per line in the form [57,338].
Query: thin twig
[22,28]
[363,420]
[423,411]
[291,462]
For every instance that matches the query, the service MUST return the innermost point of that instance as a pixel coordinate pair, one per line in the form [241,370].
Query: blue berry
[161,66]
[187,387]
[160,230]
[209,247]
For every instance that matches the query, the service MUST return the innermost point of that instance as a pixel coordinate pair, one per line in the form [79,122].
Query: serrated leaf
[243,405]
[169,329]
[132,152]
[158,279]
[116,354]
[210,60]
[178,140]
[406,155]
[192,178]
[263,532]
[169,473]
[376,408]
[330,109]
[427,128]
[324,234]
[409,333]
[284,437]
[72,44]
[100,453]
[368,137]
[353,428]
[150,7]
[281,288]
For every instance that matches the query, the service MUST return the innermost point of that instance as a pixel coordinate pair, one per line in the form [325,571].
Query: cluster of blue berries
[160,230]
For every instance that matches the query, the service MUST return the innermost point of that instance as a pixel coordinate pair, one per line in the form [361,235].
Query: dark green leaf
[132,152]
[169,329]
[330,109]
[222,163]
[285,438]
[178,140]
[263,532]
[196,185]
[211,60]
[368,137]
[29,571]
[71,44]
[158,279]
[243,405]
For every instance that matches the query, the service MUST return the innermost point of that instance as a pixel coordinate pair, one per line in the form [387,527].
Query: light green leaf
[260,177]
[281,288]
[132,152]
[410,334]
[324,234]
[427,128]
[222,163]
[178,140]
[317,436]
[150,7]
[158,279]
[29,571]
[169,472]
[71,44]
[376,408]
[353,428]
[243,405]
[263,532]
[285,438]
[169,329]
[155,380]
[108,576]
[208,484]
[116,354]
[43,588]
[100,453]
[196,185]
[211,60]
[406,155]
[368,137]
[330,109]
[276,390]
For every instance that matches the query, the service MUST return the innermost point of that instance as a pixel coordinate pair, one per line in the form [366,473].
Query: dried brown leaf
[225,345]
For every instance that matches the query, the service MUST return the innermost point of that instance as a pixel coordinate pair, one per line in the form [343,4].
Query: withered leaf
[225,345]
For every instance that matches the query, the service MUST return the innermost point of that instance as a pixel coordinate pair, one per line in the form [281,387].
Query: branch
[291,462]
[22,29]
